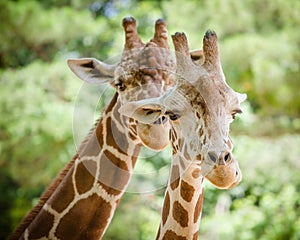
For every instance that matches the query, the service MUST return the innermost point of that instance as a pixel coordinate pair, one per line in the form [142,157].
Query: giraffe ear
[241,97]
[91,70]
[145,111]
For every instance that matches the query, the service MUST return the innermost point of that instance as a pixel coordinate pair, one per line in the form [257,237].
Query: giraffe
[81,201]
[200,107]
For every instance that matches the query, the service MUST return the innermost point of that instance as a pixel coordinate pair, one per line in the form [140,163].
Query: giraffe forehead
[205,118]
[219,99]
[149,60]
[215,91]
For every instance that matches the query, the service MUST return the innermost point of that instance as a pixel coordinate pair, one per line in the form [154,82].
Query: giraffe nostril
[227,157]
[163,119]
[212,156]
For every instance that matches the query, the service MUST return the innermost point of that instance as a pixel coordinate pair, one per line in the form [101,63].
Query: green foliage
[268,69]
[7,188]
[29,31]
[136,218]
[39,96]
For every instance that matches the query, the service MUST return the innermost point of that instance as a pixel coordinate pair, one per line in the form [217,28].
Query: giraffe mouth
[224,177]
[161,120]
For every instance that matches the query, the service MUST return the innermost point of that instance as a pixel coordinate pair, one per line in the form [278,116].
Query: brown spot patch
[198,208]
[114,137]
[41,225]
[186,191]
[186,153]
[114,104]
[201,131]
[99,133]
[115,113]
[174,132]
[115,160]
[172,135]
[199,157]
[93,143]
[166,209]
[204,140]
[132,136]
[85,176]
[174,147]
[174,180]
[182,163]
[180,214]
[170,235]
[196,173]
[113,173]
[135,154]
[64,194]
[86,220]
[174,152]
[195,236]
[180,142]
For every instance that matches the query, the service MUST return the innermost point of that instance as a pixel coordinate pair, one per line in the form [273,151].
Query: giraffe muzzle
[225,173]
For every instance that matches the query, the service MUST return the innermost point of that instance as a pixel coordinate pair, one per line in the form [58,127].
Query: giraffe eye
[173,116]
[120,85]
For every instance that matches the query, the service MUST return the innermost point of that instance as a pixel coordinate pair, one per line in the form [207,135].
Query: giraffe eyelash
[235,112]
[173,116]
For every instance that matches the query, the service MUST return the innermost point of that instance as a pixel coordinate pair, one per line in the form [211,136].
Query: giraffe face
[201,108]
[219,166]
[145,71]
[214,103]
[142,74]
[202,125]
[199,130]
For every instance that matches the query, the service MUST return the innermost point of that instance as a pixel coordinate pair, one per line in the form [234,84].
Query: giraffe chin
[223,177]
[154,136]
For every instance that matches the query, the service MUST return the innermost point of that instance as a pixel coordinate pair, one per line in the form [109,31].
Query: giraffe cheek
[222,177]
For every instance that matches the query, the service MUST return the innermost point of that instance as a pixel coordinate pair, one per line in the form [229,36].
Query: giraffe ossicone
[200,107]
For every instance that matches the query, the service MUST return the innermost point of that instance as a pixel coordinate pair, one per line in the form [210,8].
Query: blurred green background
[259,42]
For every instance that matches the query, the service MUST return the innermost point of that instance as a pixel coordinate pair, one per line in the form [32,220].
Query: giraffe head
[201,107]
[145,71]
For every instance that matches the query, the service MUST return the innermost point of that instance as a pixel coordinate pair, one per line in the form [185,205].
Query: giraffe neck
[84,200]
[184,194]
[183,202]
